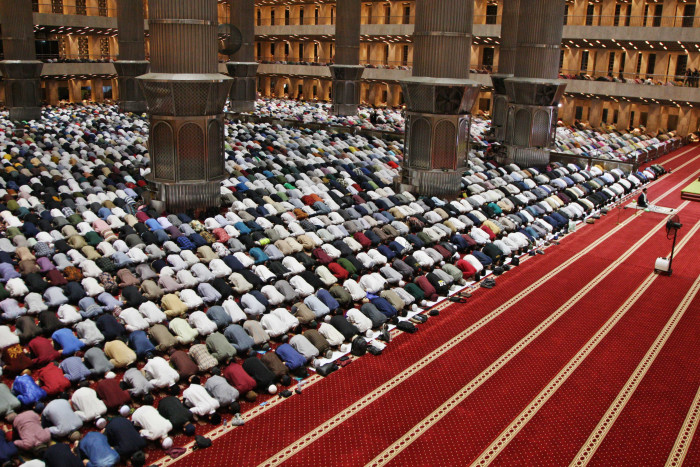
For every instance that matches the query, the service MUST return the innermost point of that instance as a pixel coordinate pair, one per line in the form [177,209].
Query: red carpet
[568,418]
[381,422]
[648,427]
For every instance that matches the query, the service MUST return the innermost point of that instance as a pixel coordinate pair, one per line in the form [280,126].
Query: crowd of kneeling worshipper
[123,327]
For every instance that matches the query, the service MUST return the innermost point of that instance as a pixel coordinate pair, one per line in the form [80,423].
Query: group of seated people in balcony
[125,329]
[638,79]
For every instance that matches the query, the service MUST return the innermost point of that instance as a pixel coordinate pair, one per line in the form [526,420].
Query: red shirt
[427,288]
[338,271]
[112,394]
[53,380]
[15,360]
[466,267]
[44,350]
[238,378]
[486,229]
[362,239]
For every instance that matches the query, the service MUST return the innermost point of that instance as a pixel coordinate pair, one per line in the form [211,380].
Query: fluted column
[439,98]
[132,55]
[346,70]
[243,68]
[21,71]
[506,65]
[186,97]
[534,91]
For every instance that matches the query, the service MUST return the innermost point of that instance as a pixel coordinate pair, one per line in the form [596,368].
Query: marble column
[653,118]
[534,91]
[439,97]
[51,92]
[595,113]
[506,65]
[132,55]
[346,70]
[21,71]
[74,91]
[186,97]
[684,120]
[623,116]
[97,90]
[243,68]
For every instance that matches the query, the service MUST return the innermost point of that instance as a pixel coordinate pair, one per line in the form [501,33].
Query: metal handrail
[296,21]
[601,75]
[48,7]
[650,20]
[392,19]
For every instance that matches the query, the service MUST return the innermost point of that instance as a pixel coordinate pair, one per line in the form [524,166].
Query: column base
[499,106]
[22,80]
[445,184]
[24,114]
[344,110]
[183,197]
[528,157]
[244,90]
[346,89]
[131,97]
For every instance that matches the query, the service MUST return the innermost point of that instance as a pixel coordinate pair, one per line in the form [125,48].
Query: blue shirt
[67,340]
[139,341]
[96,448]
[290,356]
[26,390]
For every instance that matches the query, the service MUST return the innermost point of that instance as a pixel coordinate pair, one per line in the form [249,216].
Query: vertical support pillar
[265,86]
[623,116]
[97,90]
[684,120]
[567,110]
[346,71]
[595,113]
[74,91]
[132,55]
[52,92]
[439,97]
[243,68]
[534,91]
[186,97]
[21,71]
[506,65]
[693,120]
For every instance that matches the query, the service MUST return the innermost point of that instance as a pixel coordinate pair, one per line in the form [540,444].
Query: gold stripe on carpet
[555,383]
[685,436]
[414,433]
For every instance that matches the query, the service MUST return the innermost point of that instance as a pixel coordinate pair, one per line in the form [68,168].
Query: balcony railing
[63,9]
[634,21]
[380,19]
[296,21]
[76,58]
[629,78]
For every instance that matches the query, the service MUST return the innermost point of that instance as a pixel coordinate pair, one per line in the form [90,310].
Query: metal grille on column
[21,71]
[534,91]
[506,66]
[439,98]
[243,68]
[346,71]
[132,55]
[186,97]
